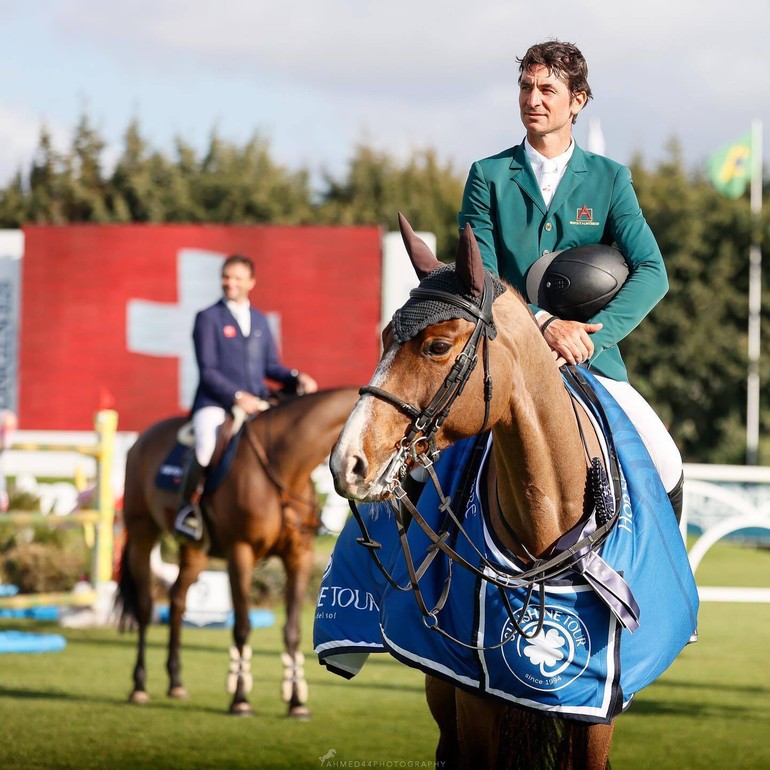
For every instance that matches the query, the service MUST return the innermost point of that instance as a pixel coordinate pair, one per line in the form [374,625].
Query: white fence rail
[725,501]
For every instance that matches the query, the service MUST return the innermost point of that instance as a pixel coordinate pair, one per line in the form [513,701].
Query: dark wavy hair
[238,259]
[563,60]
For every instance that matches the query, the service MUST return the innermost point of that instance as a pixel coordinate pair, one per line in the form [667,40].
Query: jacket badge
[229,331]
[584,216]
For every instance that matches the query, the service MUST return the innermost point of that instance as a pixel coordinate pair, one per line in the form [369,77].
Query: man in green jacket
[546,195]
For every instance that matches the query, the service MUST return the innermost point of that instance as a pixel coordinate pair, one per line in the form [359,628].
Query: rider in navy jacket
[235,352]
[230,362]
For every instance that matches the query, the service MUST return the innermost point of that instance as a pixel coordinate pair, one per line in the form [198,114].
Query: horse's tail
[126,596]
[530,740]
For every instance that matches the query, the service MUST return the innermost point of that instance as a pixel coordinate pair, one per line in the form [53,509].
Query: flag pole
[755,298]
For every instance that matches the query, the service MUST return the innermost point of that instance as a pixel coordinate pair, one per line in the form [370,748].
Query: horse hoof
[241,709]
[301,713]
[138,696]
[178,693]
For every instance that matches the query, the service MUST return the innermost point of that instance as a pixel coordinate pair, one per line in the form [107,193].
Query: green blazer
[594,203]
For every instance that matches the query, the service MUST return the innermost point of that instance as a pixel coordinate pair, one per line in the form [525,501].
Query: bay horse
[427,394]
[264,506]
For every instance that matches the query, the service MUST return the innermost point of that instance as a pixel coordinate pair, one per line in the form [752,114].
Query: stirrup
[189,523]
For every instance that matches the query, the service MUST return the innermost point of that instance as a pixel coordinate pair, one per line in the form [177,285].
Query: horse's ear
[422,257]
[468,265]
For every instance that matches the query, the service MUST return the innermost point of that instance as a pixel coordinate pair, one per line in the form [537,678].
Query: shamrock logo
[544,649]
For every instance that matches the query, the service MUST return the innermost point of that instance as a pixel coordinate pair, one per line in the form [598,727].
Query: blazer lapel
[228,319]
[524,176]
[573,176]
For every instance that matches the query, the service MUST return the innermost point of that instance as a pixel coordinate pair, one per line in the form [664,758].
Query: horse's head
[433,383]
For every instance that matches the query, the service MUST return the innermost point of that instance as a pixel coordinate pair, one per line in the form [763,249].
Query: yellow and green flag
[730,167]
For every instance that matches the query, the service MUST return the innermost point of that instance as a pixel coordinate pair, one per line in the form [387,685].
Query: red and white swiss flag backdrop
[106,312]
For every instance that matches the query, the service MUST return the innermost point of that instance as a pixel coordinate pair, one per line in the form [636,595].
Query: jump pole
[103,517]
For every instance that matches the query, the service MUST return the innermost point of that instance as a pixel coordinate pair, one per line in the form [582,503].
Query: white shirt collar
[540,163]
[548,171]
[242,313]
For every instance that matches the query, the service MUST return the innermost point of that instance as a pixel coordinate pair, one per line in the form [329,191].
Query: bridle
[419,438]
[417,448]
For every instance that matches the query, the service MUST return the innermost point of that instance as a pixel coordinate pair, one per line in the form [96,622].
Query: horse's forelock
[420,312]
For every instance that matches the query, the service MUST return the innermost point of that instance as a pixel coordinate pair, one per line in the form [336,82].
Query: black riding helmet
[577,283]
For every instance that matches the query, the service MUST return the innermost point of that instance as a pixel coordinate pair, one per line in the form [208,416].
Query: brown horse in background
[265,506]
[537,475]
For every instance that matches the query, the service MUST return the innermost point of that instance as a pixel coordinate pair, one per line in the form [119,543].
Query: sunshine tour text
[337,596]
[566,620]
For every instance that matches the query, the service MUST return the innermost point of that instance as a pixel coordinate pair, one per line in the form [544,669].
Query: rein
[286,494]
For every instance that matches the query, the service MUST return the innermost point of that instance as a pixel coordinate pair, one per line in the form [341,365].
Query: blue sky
[318,76]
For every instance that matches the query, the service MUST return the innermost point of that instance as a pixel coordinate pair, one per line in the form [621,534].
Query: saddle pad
[169,475]
[583,664]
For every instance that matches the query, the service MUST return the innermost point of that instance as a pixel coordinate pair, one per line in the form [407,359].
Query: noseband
[419,440]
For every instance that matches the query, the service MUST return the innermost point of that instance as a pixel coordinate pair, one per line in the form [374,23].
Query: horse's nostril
[358,466]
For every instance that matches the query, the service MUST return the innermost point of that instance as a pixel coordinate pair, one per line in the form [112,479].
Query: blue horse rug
[592,651]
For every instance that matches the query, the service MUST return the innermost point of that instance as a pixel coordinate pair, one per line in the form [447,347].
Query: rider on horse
[235,352]
[545,195]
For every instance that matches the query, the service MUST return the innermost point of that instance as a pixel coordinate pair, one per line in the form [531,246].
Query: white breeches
[206,422]
[663,451]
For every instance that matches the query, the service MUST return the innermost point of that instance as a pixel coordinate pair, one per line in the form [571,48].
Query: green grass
[727,564]
[68,710]
[712,707]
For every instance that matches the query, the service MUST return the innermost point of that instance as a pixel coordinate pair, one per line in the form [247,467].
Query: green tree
[44,202]
[84,189]
[376,188]
[244,185]
[13,202]
[139,185]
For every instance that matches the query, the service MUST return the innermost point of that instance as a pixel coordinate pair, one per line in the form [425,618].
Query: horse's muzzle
[350,470]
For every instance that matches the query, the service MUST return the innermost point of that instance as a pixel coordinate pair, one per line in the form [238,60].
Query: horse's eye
[439,348]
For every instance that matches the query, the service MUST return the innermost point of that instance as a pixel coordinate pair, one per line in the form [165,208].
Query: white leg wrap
[240,669]
[294,683]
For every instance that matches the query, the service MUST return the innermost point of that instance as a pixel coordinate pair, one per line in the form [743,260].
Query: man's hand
[250,403]
[306,384]
[570,340]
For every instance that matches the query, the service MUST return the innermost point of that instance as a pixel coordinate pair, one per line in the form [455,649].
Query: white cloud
[429,49]
[338,44]
[318,75]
